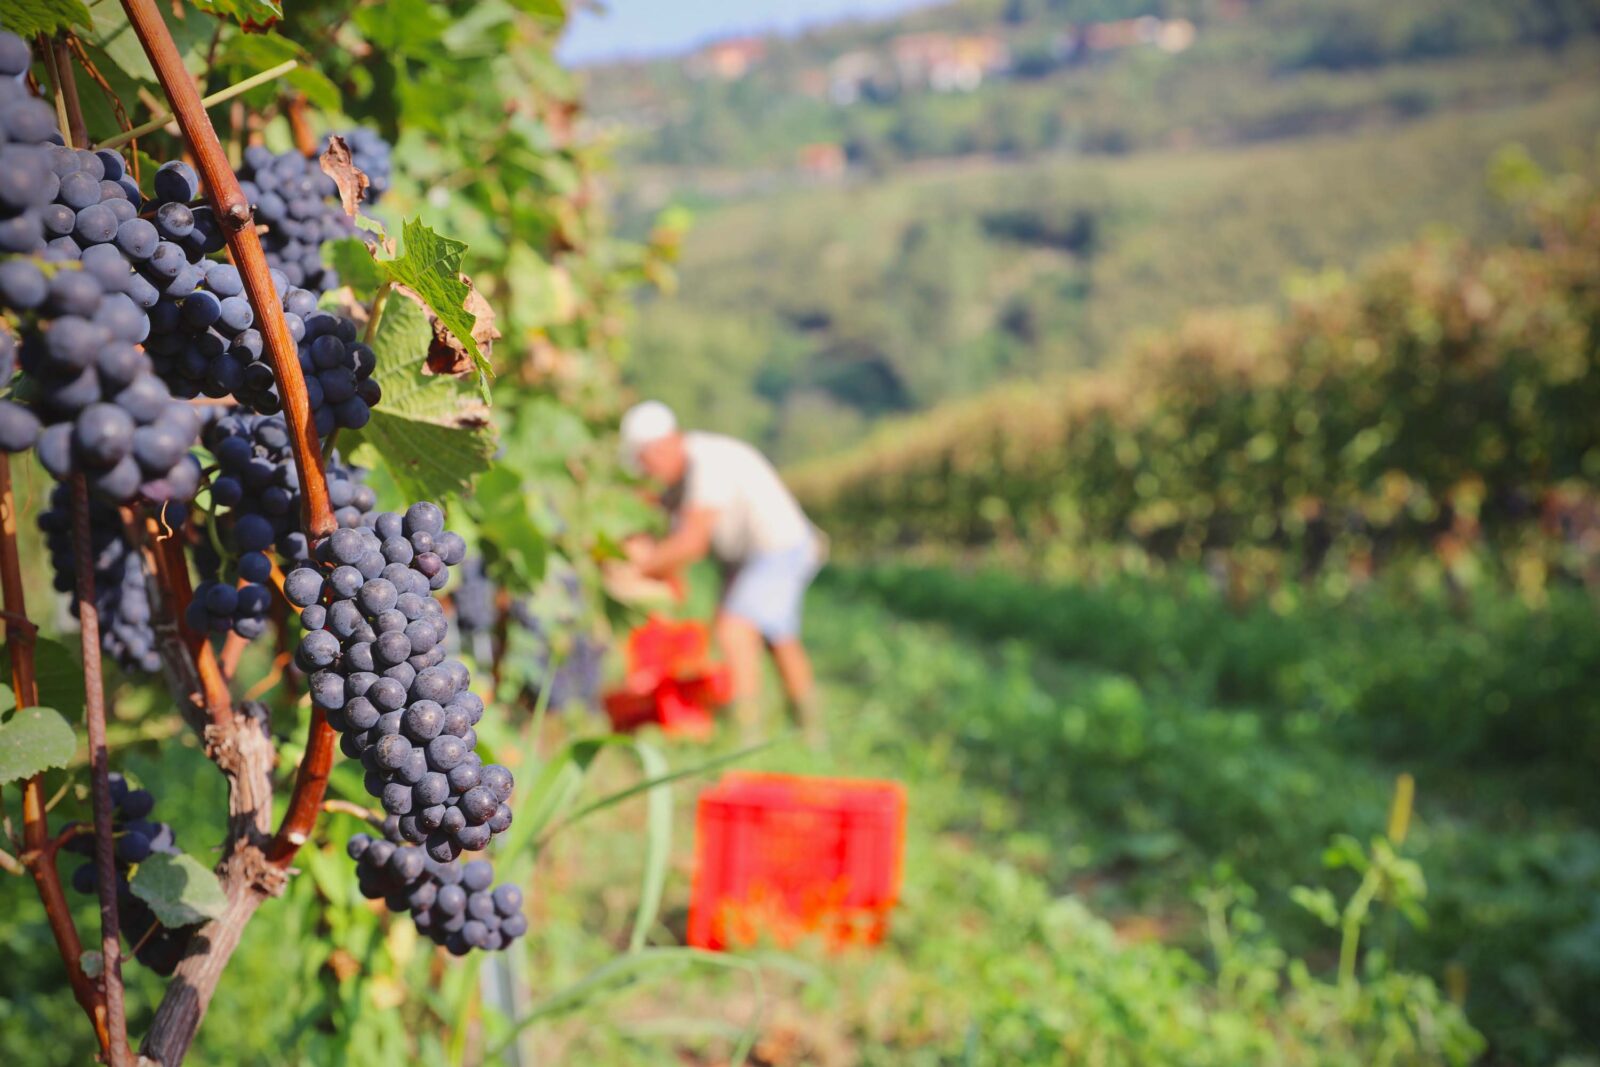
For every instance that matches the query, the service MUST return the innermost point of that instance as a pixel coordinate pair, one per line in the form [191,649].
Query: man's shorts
[767,590]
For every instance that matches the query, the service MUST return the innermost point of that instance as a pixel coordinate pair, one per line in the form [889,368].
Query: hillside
[804,316]
[892,214]
[1028,76]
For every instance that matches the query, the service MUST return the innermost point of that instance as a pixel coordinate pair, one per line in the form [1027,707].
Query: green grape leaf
[430,266]
[544,435]
[246,54]
[430,432]
[180,889]
[32,740]
[60,677]
[357,269]
[255,12]
[501,507]
[554,10]
[29,18]
[1318,902]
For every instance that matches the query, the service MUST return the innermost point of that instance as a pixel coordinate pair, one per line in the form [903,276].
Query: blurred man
[728,502]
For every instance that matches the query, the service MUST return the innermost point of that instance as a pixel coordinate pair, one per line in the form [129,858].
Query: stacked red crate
[782,857]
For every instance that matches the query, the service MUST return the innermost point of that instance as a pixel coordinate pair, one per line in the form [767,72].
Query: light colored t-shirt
[756,513]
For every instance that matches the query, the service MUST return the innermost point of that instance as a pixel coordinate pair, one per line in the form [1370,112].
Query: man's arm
[688,544]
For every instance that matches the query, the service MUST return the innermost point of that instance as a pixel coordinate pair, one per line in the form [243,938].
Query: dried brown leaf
[338,164]
[447,355]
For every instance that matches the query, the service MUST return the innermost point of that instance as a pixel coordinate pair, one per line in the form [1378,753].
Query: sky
[656,27]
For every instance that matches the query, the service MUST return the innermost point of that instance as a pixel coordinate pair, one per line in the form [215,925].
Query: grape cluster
[300,206]
[50,195]
[203,342]
[137,838]
[95,406]
[474,599]
[577,676]
[372,156]
[256,478]
[257,482]
[374,650]
[452,902]
[120,595]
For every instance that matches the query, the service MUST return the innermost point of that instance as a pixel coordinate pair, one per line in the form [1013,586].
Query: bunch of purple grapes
[79,295]
[137,839]
[374,649]
[120,595]
[300,206]
[452,902]
[204,343]
[256,480]
[91,405]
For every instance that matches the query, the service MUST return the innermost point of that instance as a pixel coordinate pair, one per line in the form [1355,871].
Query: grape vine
[174,349]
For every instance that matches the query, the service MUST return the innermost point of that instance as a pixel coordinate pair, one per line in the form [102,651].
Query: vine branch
[94,714]
[39,854]
[239,747]
[233,211]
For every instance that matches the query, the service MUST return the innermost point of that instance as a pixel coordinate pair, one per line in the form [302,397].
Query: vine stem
[221,96]
[172,574]
[310,783]
[94,714]
[239,747]
[222,186]
[59,59]
[222,189]
[39,854]
[305,142]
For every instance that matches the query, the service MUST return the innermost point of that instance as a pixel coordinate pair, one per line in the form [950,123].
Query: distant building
[727,60]
[946,62]
[1168,35]
[824,160]
[1176,36]
[851,75]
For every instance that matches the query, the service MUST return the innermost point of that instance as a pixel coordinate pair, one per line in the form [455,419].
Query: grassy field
[1118,794]
[1110,812]
[804,316]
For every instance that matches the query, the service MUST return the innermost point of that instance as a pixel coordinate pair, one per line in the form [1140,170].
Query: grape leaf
[430,265]
[253,12]
[249,53]
[431,433]
[501,506]
[356,267]
[60,678]
[554,10]
[32,740]
[29,18]
[179,889]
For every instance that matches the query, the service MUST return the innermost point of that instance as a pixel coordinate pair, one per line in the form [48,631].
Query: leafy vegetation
[1440,400]
[1041,222]
[1248,71]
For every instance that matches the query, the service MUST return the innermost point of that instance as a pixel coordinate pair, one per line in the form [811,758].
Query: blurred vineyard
[1440,402]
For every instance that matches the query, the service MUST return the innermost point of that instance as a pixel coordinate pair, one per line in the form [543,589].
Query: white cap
[644,424]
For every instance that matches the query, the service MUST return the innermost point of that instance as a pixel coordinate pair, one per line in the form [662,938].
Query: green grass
[1113,790]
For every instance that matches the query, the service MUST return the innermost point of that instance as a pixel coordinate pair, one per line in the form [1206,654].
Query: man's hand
[688,544]
[638,548]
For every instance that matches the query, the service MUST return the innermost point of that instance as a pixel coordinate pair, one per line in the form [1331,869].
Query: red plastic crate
[784,857]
